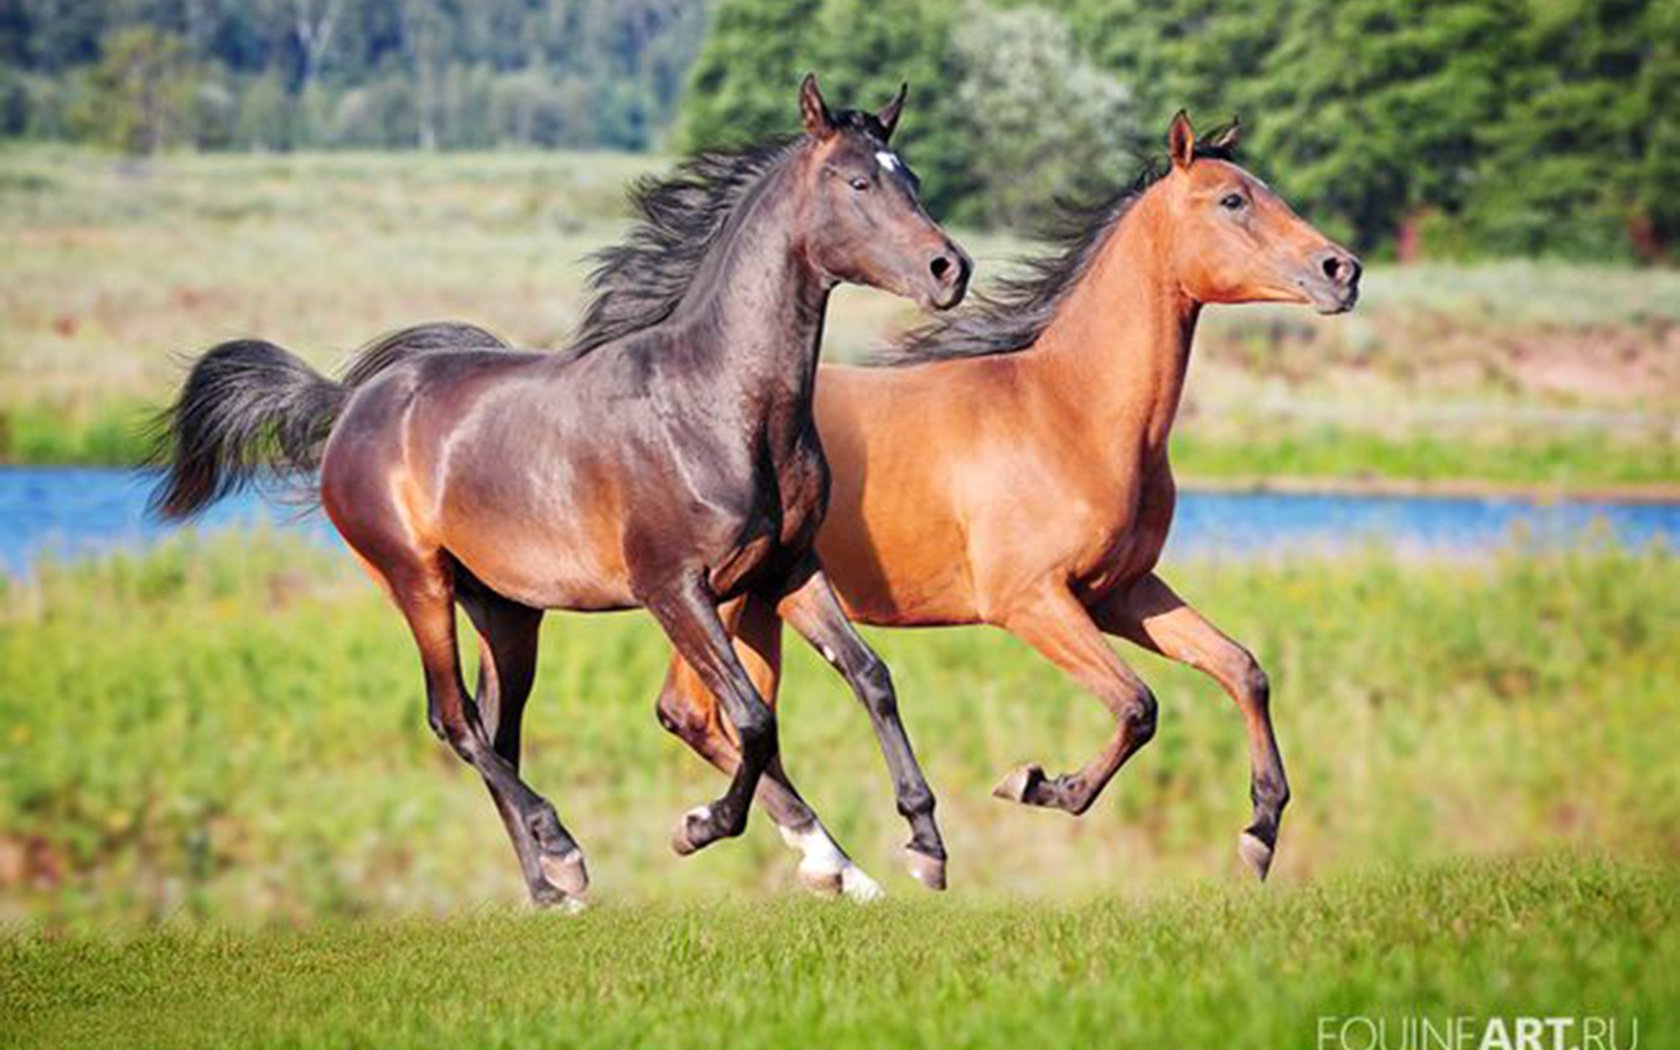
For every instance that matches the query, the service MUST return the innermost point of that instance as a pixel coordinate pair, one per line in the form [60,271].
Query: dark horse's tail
[249,407]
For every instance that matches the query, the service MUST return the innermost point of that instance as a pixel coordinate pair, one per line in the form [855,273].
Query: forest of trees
[142,75]
[1443,127]
[1440,127]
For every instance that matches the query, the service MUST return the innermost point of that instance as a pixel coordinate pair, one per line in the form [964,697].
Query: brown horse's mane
[678,218]
[1011,317]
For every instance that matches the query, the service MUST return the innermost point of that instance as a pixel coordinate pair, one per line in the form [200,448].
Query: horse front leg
[812,609]
[1053,622]
[1151,615]
[688,612]
[688,711]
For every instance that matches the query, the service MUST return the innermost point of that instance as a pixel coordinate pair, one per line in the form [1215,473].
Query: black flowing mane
[639,281]
[1014,315]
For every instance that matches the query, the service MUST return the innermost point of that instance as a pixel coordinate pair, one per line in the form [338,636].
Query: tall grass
[236,733]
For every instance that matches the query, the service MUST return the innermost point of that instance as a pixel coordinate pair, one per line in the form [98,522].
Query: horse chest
[791,496]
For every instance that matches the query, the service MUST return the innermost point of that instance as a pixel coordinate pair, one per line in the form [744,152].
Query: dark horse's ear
[1181,141]
[1225,139]
[889,112]
[819,122]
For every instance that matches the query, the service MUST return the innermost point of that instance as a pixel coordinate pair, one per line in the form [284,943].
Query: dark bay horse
[668,459]
[1011,467]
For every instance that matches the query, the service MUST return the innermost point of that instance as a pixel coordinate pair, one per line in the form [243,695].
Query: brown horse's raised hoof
[566,874]
[691,833]
[1255,853]
[1022,785]
[929,871]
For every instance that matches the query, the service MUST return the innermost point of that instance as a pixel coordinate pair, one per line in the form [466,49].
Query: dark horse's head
[868,224]
[1238,242]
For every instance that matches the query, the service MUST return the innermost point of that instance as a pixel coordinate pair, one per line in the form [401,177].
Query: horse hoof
[1018,786]
[859,887]
[687,838]
[929,871]
[1255,853]
[821,881]
[566,873]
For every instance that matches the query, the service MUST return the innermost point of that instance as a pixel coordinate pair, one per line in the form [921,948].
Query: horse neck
[1118,348]
[759,301]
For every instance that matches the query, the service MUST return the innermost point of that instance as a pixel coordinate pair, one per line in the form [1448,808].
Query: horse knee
[757,730]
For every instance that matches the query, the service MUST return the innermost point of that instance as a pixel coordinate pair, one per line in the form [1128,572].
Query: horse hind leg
[689,712]
[423,587]
[507,640]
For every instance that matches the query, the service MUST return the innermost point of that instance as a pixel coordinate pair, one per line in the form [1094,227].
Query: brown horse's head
[1235,241]
[865,222]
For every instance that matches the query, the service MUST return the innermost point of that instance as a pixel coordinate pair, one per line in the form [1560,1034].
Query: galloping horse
[1011,469]
[668,459]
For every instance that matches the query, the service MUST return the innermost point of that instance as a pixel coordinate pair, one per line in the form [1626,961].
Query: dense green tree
[742,85]
[142,91]
[1564,160]
[1044,123]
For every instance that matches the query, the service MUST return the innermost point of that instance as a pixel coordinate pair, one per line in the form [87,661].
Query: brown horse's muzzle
[1330,280]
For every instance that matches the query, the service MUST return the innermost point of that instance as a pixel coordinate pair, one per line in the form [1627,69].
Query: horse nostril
[941,267]
[1341,269]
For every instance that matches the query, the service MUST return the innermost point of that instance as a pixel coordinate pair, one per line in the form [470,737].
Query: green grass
[120,264]
[1339,452]
[237,735]
[1551,936]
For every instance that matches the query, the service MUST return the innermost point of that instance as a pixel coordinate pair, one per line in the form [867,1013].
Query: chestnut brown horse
[668,460]
[1011,468]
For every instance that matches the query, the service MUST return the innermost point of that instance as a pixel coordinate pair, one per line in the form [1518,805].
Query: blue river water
[68,512]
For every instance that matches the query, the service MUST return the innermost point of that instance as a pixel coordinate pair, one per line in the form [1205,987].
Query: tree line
[1430,127]
[142,75]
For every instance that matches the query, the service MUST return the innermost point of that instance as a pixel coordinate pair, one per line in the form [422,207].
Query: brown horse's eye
[1232,201]
[859,182]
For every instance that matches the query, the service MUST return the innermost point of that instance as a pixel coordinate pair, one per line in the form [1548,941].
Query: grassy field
[1211,967]
[224,822]
[236,735]
[1514,372]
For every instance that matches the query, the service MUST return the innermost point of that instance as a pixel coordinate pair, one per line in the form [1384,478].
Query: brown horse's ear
[819,122]
[1181,141]
[889,112]
[1225,140]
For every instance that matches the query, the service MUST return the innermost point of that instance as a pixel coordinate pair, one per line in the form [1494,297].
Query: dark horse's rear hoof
[566,876]
[693,831]
[929,871]
[1255,853]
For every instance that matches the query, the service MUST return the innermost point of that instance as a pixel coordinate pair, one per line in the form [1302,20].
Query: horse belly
[548,538]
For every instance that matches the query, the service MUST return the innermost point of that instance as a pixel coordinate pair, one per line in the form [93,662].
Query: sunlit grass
[1557,936]
[237,734]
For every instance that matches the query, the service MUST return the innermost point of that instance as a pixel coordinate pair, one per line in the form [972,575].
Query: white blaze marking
[888,160]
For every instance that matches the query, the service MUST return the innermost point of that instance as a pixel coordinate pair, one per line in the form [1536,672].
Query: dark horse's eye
[1232,201]
[860,183]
